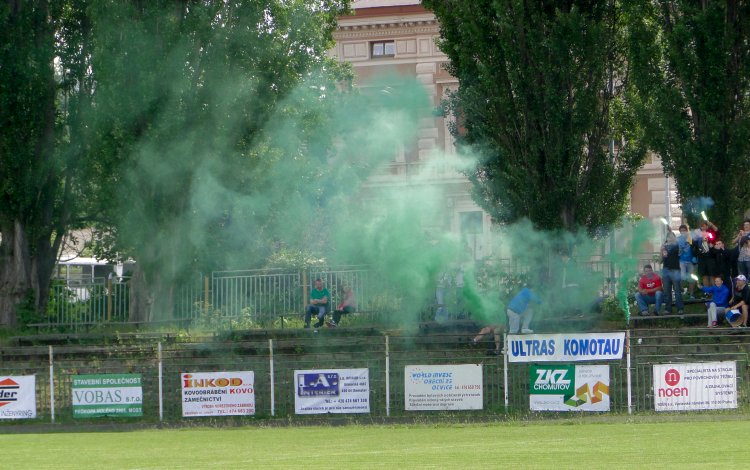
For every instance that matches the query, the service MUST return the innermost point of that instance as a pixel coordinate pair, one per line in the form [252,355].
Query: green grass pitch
[570,443]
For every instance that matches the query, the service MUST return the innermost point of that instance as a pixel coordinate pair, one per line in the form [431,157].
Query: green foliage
[690,62]
[295,260]
[545,103]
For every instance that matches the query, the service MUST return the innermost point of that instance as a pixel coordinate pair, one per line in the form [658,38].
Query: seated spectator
[319,298]
[719,301]
[649,291]
[347,305]
[740,300]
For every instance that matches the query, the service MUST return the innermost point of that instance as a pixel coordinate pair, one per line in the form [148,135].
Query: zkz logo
[318,385]
[8,392]
[552,377]
[552,380]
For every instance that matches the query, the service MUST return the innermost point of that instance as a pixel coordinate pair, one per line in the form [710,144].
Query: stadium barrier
[388,376]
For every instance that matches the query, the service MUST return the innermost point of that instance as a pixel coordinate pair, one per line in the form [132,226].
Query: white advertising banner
[566,347]
[447,387]
[569,387]
[18,397]
[695,386]
[218,393]
[331,391]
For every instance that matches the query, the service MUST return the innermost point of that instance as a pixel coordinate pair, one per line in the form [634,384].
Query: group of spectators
[701,256]
[319,305]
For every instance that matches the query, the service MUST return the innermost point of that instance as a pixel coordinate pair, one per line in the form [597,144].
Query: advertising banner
[447,387]
[695,386]
[17,397]
[218,393]
[332,391]
[96,395]
[569,387]
[566,347]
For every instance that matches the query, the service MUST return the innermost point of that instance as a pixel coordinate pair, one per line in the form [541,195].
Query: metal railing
[259,296]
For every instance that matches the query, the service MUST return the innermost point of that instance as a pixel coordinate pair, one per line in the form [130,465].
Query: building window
[383,49]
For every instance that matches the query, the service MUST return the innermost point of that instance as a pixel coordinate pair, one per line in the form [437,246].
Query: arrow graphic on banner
[583,394]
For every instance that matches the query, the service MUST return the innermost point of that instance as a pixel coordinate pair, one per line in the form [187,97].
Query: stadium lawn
[572,443]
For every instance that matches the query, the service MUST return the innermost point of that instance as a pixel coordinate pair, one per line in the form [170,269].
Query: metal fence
[259,296]
[274,362]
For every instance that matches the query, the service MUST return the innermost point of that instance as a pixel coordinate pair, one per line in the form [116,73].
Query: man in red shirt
[649,291]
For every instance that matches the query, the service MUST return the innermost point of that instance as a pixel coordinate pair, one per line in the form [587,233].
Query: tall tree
[42,93]
[203,109]
[543,102]
[690,61]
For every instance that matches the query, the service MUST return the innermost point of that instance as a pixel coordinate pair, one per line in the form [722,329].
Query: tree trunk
[140,302]
[22,274]
[151,297]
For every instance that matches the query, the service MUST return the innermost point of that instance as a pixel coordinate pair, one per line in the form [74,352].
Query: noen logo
[672,377]
[325,384]
[8,392]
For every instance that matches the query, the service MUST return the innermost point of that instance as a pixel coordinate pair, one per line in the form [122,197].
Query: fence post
[304,290]
[161,388]
[630,389]
[205,294]
[387,377]
[270,361]
[505,370]
[109,299]
[51,384]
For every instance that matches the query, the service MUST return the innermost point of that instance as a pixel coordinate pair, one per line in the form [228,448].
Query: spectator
[649,291]
[496,330]
[684,241]
[735,252]
[347,305]
[670,273]
[722,262]
[520,313]
[740,300]
[319,299]
[703,240]
[719,301]
[743,257]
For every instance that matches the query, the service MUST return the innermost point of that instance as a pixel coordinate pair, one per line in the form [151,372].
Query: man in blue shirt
[719,300]
[520,312]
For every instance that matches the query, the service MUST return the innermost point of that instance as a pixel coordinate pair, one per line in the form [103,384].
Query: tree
[203,109]
[691,64]
[543,101]
[165,115]
[41,106]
